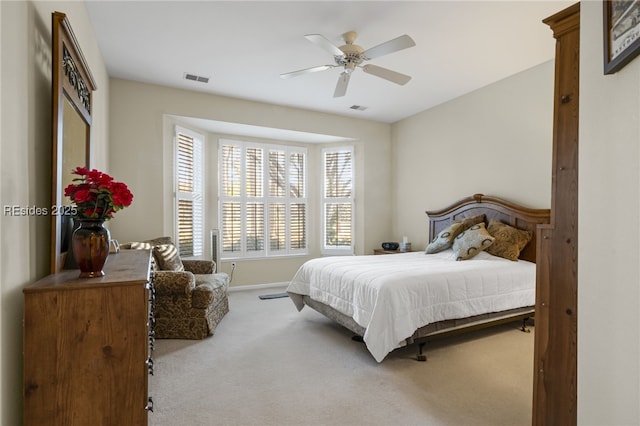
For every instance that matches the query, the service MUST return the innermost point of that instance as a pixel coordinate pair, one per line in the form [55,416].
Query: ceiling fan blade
[324,43]
[306,71]
[398,43]
[341,87]
[387,74]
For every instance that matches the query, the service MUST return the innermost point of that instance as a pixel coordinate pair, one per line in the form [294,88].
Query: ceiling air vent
[194,77]
[358,107]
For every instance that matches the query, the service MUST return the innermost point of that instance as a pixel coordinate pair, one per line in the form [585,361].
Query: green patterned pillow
[445,238]
[167,257]
[509,240]
[471,242]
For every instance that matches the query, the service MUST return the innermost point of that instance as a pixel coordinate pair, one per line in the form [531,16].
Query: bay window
[262,199]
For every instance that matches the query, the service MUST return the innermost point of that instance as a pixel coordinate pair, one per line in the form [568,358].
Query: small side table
[383,251]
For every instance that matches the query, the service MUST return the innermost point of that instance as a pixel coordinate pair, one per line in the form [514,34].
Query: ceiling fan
[349,56]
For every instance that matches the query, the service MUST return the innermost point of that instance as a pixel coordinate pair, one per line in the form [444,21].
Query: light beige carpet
[269,364]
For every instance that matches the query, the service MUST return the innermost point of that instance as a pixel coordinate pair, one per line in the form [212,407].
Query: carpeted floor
[268,364]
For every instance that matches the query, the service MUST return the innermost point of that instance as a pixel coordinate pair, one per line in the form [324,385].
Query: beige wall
[25,161]
[496,141]
[609,235]
[141,156]
[609,198]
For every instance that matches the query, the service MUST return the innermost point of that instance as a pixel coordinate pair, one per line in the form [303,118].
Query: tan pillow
[509,240]
[471,242]
[167,257]
[445,238]
[468,222]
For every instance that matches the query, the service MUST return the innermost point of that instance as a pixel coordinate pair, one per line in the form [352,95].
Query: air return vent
[194,77]
[358,107]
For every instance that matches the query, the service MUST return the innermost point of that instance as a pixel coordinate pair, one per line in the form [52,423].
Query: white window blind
[338,200]
[189,193]
[263,202]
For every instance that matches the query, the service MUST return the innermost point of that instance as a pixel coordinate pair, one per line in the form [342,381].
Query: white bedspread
[394,295]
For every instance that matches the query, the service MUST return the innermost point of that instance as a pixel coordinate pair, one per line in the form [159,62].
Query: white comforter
[394,295]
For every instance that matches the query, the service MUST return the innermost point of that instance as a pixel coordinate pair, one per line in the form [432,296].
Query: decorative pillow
[471,242]
[167,257]
[468,222]
[509,240]
[445,238]
[139,245]
[146,244]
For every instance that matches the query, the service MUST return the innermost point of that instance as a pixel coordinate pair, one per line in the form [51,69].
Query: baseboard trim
[257,286]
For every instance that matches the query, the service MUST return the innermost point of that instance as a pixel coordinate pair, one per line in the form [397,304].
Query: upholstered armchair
[190,303]
[190,297]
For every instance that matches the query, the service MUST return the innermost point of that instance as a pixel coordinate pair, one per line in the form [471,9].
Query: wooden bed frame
[493,208]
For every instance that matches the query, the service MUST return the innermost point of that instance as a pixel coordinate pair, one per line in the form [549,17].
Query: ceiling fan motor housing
[352,57]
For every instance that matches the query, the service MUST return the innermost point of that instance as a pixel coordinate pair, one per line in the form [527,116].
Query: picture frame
[621,33]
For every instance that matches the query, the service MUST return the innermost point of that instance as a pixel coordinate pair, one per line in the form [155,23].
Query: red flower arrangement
[97,195]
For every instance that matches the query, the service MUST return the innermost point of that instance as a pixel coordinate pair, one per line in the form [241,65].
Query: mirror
[72,86]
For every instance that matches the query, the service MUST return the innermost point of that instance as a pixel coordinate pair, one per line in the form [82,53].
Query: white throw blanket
[391,296]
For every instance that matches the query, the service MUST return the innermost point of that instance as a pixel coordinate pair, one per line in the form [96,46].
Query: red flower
[82,196]
[99,178]
[121,194]
[97,195]
[69,190]
[81,171]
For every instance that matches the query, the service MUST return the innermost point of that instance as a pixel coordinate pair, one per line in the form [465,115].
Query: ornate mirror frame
[72,85]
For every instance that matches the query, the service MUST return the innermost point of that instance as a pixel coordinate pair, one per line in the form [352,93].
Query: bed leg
[420,356]
[524,327]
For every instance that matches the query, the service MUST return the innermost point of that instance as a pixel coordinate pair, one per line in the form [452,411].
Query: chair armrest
[200,266]
[174,282]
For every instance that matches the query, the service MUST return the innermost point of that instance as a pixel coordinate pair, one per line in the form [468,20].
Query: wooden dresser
[88,345]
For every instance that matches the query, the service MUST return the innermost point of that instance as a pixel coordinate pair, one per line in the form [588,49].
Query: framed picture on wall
[621,33]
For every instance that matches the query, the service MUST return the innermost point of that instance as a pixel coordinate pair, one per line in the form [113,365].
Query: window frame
[324,248]
[197,196]
[266,199]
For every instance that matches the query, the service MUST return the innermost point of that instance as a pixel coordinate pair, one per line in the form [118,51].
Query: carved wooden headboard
[494,208]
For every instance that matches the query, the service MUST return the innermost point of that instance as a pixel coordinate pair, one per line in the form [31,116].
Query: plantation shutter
[231,207]
[263,203]
[190,194]
[338,200]
[298,205]
[277,205]
[254,187]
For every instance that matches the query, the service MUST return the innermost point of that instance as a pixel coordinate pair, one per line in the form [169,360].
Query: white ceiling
[244,46]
